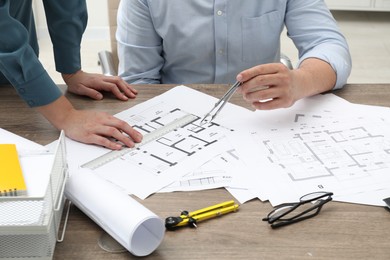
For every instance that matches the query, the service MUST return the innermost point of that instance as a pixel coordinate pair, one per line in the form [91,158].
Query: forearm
[91,127]
[316,35]
[57,112]
[313,76]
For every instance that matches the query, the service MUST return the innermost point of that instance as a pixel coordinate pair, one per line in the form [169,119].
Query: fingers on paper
[119,88]
[113,133]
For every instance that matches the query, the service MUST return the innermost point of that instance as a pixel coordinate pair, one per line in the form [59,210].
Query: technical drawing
[343,151]
[173,147]
[173,144]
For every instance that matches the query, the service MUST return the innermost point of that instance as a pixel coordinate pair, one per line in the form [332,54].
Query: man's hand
[268,86]
[92,85]
[273,85]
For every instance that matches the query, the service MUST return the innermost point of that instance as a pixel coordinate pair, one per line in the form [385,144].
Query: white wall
[97,27]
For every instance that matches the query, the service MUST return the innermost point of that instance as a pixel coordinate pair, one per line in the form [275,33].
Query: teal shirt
[19,64]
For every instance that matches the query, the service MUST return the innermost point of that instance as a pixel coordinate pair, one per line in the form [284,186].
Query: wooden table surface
[340,231]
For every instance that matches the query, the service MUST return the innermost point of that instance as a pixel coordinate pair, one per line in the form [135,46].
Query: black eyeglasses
[280,215]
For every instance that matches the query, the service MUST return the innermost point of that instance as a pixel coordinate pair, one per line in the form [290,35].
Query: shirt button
[31,103]
[219,12]
[22,91]
[220,51]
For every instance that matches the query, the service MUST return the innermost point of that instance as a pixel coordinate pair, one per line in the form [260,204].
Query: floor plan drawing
[343,151]
[174,146]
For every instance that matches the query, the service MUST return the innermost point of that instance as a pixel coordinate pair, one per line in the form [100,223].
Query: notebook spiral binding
[9,192]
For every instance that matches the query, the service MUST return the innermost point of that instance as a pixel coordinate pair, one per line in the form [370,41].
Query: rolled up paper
[134,226]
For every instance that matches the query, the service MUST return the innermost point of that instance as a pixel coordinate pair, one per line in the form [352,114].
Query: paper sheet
[22,145]
[135,227]
[155,165]
[312,147]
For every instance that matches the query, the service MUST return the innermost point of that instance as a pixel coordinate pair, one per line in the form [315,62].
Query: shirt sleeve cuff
[39,91]
[68,60]
[337,57]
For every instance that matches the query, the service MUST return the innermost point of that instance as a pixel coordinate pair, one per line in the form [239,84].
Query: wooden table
[340,231]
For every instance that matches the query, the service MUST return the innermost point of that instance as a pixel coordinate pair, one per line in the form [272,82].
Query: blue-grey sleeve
[139,51]
[315,33]
[66,21]
[19,63]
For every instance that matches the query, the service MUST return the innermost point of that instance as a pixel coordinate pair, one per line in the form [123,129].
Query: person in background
[222,41]
[19,66]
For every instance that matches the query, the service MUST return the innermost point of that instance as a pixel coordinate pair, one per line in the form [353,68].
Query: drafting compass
[210,116]
[191,218]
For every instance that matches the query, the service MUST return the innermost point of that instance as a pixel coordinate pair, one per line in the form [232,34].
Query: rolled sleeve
[337,57]
[316,35]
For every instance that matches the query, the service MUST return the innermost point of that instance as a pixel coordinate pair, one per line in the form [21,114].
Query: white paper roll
[134,226]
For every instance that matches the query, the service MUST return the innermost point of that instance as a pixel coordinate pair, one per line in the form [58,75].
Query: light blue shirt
[204,41]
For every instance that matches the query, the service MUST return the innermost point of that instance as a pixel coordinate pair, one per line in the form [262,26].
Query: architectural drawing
[343,151]
[174,146]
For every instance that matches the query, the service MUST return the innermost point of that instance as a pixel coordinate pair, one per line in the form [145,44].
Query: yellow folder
[11,176]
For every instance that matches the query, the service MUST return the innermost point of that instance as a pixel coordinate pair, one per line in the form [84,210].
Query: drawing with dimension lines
[342,151]
[174,146]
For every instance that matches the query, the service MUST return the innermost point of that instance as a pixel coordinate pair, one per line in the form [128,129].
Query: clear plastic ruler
[147,138]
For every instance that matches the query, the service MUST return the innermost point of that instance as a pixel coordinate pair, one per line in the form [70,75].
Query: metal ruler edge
[112,155]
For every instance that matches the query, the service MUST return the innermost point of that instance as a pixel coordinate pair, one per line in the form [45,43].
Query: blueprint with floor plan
[276,155]
[173,147]
[319,152]
[158,163]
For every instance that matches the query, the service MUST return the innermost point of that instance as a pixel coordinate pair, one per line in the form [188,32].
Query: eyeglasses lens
[277,213]
[315,196]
